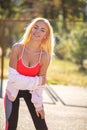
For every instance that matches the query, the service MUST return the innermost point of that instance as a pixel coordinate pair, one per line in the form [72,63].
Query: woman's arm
[37,95]
[45,61]
[22,82]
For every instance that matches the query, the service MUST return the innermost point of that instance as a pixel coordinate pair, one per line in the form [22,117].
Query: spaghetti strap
[40,56]
[22,51]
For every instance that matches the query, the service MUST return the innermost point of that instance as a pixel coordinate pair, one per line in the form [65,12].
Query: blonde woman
[28,65]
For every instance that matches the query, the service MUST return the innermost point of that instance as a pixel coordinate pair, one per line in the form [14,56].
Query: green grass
[65,72]
[60,72]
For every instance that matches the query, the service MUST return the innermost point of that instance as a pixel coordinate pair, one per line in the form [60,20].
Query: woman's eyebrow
[44,28]
[41,28]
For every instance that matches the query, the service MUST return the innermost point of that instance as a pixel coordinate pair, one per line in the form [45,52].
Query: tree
[79,52]
[72,10]
[9,9]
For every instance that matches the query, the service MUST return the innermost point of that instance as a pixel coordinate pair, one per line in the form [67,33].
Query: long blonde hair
[46,44]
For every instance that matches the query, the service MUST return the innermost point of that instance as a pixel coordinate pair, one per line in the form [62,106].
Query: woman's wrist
[42,80]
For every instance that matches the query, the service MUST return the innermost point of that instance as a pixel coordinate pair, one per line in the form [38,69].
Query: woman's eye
[35,27]
[43,30]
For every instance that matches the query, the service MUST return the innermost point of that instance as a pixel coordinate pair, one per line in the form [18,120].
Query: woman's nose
[38,30]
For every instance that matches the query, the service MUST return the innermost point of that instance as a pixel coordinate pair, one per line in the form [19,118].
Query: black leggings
[12,110]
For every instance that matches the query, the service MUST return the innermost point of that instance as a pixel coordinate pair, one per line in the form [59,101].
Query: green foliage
[9,9]
[67,73]
[62,47]
[72,9]
[79,52]
[73,44]
[13,33]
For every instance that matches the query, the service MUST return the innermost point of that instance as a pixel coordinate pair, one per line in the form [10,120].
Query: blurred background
[65,97]
[69,21]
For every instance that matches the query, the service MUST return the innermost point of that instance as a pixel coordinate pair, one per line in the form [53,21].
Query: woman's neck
[33,46]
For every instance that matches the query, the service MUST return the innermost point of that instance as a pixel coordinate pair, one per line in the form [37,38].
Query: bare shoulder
[17,47]
[46,57]
[16,50]
[14,56]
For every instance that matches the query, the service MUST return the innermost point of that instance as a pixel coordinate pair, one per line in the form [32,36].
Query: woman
[28,65]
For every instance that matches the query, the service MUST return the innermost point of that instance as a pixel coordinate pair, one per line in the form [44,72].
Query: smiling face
[39,31]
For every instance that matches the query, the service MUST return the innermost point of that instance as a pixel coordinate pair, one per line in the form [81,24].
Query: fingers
[40,114]
[37,113]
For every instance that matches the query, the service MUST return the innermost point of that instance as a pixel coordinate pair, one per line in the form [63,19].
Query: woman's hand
[40,113]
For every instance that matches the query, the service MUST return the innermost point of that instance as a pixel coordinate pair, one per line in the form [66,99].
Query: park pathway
[65,109]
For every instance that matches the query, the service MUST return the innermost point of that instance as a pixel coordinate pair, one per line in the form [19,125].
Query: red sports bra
[25,70]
